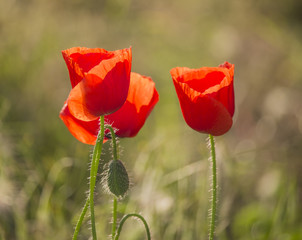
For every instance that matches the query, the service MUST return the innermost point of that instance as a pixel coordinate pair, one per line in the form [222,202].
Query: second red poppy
[206,97]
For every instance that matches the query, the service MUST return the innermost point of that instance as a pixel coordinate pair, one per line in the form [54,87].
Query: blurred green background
[44,170]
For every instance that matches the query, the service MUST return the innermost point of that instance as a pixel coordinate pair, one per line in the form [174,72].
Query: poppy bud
[117,178]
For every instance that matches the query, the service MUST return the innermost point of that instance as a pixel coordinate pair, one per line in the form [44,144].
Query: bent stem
[214,189]
[124,220]
[93,173]
[114,143]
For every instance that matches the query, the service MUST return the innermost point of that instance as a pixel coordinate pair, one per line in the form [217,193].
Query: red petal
[142,97]
[202,113]
[104,88]
[80,60]
[86,132]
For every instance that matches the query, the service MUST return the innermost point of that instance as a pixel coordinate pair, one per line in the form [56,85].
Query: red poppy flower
[99,79]
[206,97]
[128,120]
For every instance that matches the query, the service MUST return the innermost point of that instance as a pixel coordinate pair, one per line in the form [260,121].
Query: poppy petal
[201,112]
[81,59]
[142,97]
[86,132]
[103,89]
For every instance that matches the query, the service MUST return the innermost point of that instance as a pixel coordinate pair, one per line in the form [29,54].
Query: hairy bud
[117,178]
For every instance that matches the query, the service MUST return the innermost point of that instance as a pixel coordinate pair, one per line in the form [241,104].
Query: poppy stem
[93,173]
[214,189]
[115,158]
[114,217]
[114,143]
[80,220]
[124,220]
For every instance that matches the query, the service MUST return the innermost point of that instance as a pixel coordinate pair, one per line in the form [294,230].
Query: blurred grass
[43,169]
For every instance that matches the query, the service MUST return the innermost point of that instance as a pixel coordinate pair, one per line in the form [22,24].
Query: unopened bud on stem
[117,178]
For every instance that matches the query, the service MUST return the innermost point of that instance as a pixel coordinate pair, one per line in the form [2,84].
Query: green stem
[114,142]
[115,158]
[128,216]
[80,221]
[93,173]
[114,217]
[214,190]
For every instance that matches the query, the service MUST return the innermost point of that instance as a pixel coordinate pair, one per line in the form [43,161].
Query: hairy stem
[114,217]
[114,143]
[214,190]
[115,158]
[80,220]
[124,220]
[93,173]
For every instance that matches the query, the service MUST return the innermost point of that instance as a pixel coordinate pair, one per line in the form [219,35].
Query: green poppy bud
[117,178]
